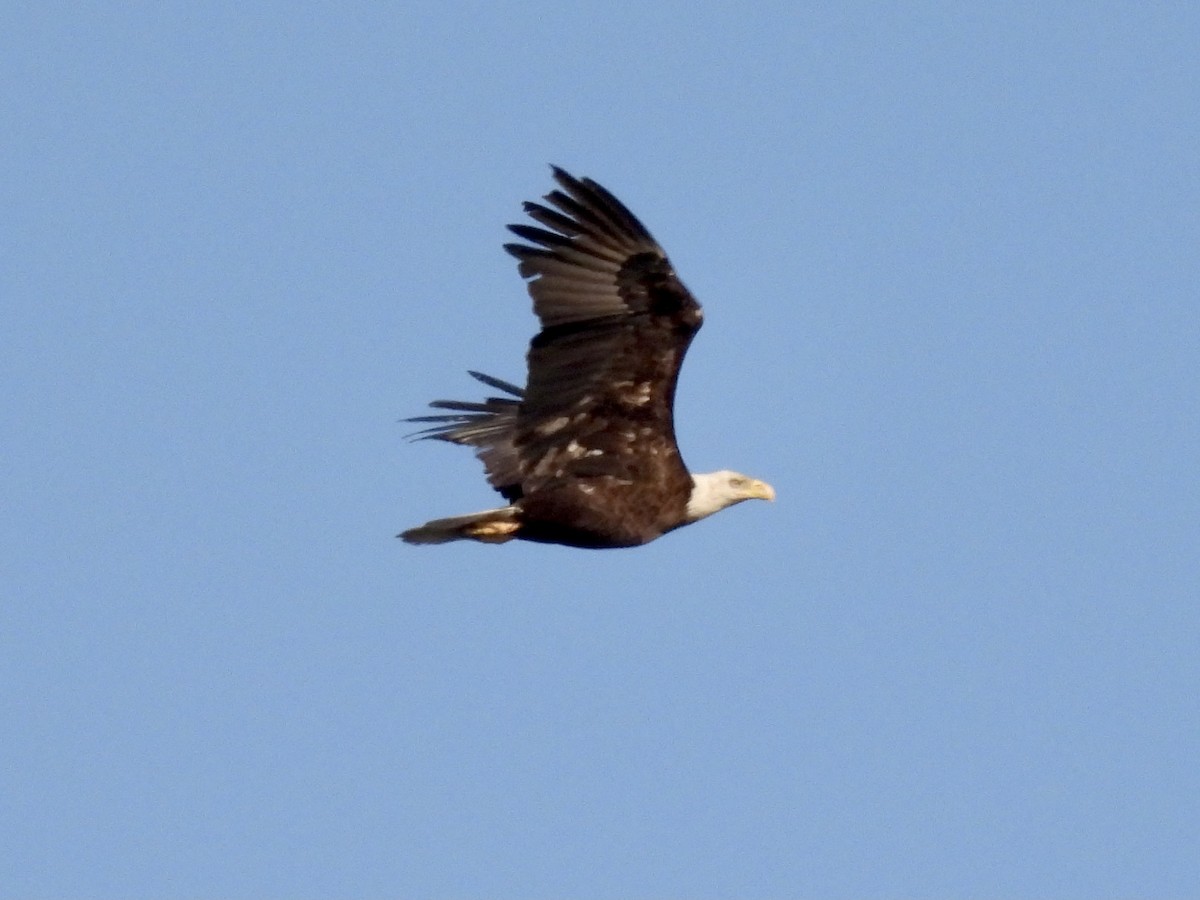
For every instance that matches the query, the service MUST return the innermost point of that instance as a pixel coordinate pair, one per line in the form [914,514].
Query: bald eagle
[585,453]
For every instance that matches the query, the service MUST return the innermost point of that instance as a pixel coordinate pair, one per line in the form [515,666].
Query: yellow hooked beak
[760,490]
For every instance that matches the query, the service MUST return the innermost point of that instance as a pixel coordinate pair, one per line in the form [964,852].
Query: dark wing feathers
[489,427]
[507,386]
[616,323]
[577,260]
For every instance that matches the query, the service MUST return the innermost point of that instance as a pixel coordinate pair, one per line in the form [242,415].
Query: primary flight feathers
[585,453]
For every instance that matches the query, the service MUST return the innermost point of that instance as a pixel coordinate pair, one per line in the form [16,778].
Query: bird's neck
[707,496]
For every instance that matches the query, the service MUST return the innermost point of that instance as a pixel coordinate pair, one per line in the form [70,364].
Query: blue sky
[948,256]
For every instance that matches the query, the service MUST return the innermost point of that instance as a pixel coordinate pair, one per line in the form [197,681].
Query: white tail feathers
[492,526]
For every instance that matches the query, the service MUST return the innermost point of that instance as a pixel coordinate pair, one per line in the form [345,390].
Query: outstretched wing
[489,427]
[616,323]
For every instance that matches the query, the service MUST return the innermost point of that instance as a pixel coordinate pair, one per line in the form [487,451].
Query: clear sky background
[949,255]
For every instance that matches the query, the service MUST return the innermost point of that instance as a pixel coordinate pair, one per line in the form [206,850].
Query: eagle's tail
[492,526]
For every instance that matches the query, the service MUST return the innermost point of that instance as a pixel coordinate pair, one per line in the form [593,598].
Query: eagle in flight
[585,453]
